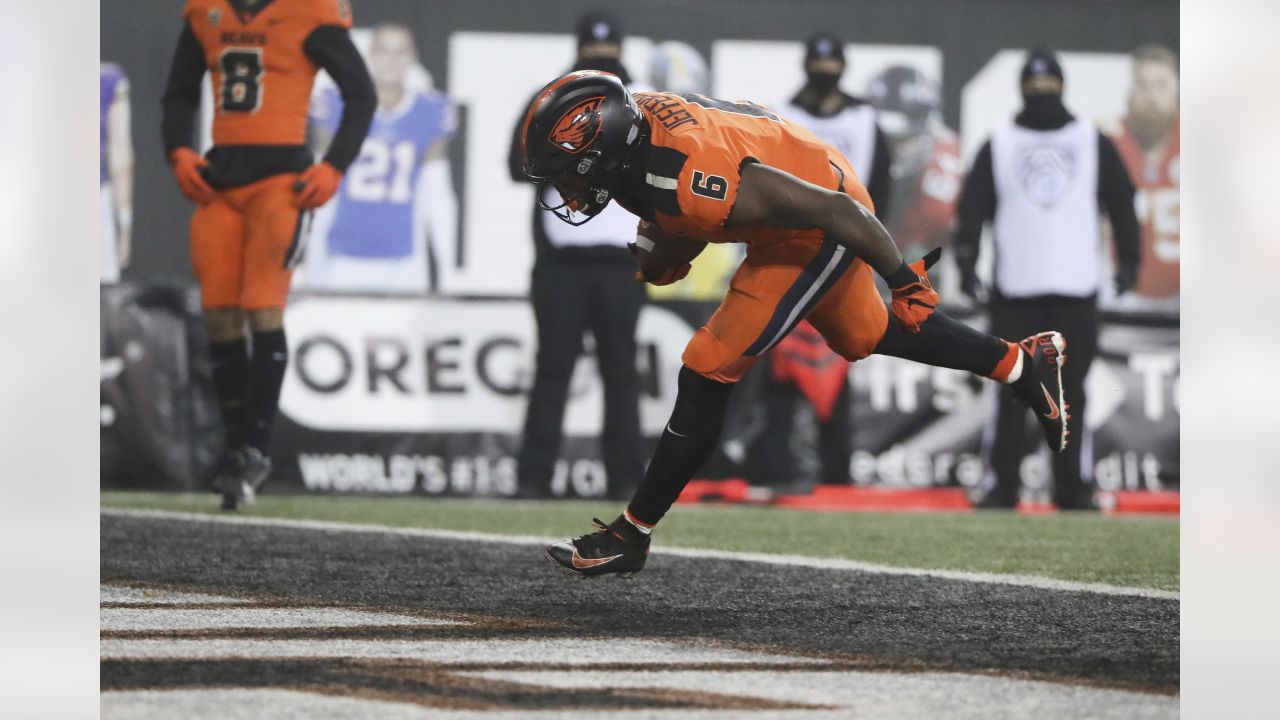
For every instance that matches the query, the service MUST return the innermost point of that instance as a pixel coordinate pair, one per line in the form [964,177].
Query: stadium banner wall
[406,395]
[428,396]
[487,58]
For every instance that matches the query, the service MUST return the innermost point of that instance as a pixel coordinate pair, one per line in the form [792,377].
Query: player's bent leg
[852,317]
[773,289]
[702,396]
[946,342]
[767,298]
[689,438]
[1032,367]
[712,358]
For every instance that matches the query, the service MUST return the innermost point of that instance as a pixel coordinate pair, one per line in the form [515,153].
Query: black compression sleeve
[1116,191]
[330,47]
[944,342]
[977,205]
[182,92]
[880,181]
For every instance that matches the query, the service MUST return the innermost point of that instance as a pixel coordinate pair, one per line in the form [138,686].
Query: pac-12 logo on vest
[1046,172]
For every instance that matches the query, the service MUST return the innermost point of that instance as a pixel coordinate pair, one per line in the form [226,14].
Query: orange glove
[915,301]
[316,185]
[672,275]
[186,164]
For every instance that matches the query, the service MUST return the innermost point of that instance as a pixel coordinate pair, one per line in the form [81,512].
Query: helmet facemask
[584,190]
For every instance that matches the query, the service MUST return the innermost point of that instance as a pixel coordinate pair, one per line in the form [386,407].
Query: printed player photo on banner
[393,226]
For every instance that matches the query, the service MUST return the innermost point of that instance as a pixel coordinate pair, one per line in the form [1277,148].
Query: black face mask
[1043,111]
[824,83]
[605,64]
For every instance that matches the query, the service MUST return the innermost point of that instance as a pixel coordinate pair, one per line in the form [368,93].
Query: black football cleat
[618,548]
[240,474]
[226,478]
[257,467]
[1041,385]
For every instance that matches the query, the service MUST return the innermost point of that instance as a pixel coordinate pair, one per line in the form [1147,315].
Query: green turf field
[1130,551]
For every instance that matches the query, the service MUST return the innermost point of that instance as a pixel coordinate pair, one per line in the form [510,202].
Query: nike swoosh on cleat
[582,563]
[673,432]
[1053,407]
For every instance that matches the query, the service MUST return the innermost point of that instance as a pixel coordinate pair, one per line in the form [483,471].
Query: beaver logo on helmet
[578,128]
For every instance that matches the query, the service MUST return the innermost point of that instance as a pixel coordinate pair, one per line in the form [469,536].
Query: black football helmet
[580,134]
[906,103]
[905,100]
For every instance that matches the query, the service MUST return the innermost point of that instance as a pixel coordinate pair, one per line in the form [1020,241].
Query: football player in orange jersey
[706,170]
[255,189]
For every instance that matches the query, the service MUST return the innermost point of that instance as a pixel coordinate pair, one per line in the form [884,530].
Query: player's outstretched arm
[768,196]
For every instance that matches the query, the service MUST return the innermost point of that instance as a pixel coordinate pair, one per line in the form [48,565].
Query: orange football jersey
[261,75]
[704,142]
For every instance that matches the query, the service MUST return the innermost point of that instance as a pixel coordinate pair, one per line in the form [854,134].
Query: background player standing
[707,170]
[395,216]
[254,189]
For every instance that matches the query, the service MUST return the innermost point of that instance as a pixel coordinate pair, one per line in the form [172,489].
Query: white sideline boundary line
[1030,581]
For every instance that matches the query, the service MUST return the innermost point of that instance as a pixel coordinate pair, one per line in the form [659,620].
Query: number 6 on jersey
[712,186]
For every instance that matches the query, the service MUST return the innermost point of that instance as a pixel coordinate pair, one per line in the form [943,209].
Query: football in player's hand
[658,252]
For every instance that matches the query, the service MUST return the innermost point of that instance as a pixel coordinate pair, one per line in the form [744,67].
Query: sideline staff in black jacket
[1042,181]
[583,278]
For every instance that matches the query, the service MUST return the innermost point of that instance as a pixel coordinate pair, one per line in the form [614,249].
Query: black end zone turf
[871,620]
